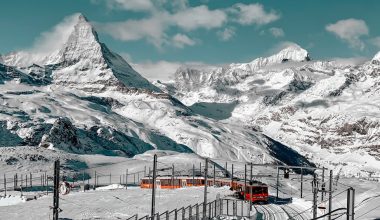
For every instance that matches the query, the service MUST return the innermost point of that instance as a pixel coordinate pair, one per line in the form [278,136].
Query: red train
[259,190]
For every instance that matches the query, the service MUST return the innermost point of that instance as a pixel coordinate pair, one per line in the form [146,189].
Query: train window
[177,182]
[164,182]
[257,190]
[147,181]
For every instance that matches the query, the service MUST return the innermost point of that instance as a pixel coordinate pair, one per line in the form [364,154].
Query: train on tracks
[254,190]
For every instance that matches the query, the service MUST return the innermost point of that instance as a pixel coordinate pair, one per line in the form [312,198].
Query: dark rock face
[62,135]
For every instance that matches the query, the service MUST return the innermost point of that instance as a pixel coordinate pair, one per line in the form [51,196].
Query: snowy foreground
[116,202]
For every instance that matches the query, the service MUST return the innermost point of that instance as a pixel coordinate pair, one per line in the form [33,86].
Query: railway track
[293,213]
[271,212]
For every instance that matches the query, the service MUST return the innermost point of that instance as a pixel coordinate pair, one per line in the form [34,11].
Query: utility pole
[251,172]
[323,184]
[205,191]
[193,175]
[315,195]
[245,180]
[84,188]
[5,186]
[226,169]
[250,187]
[154,186]
[173,176]
[232,175]
[301,182]
[350,203]
[126,178]
[330,193]
[56,191]
[95,181]
[214,174]
[277,182]
[250,195]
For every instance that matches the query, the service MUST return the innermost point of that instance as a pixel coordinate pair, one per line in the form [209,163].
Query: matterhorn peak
[82,18]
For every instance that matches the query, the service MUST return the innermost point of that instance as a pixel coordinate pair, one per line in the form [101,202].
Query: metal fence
[214,210]
[42,182]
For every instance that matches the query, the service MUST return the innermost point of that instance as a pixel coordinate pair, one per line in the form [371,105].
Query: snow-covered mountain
[82,62]
[85,99]
[328,111]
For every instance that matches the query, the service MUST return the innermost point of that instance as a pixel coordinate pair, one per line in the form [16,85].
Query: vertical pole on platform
[5,185]
[84,188]
[205,191]
[323,183]
[226,169]
[330,194]
[214,174]
[315,195]
[350,203]
[154,186]
[200,168]
[56,191]
[301,182]
[193,175]
[95,181]
[277,182]
[245,181]
[232,175]
[126,178]
[173,176]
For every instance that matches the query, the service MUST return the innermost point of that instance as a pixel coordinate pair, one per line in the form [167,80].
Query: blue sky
[151,33]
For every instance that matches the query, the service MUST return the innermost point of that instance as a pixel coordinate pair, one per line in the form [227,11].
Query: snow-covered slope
[219,83]
[322,109]
[85,99]
[83,62]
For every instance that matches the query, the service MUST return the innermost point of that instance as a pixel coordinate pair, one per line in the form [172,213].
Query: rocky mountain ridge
[85,99]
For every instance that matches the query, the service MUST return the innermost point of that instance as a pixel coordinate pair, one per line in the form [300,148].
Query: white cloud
[226,34]
[133,5]
[163,15]
[353,61]
[280,46]
[375,41]
[350,30]
[155,27]
[181,40]
[152,29]
[276,32]
[253,14]
[161,70]
[199,17]
[53,39]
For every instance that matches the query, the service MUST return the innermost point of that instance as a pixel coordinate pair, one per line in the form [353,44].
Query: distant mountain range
[83,98]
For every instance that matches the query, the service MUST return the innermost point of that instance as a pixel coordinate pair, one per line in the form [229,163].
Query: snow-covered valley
[85,105]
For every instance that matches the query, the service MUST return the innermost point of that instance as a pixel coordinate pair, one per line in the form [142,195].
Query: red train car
[259,193]
[259,190]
